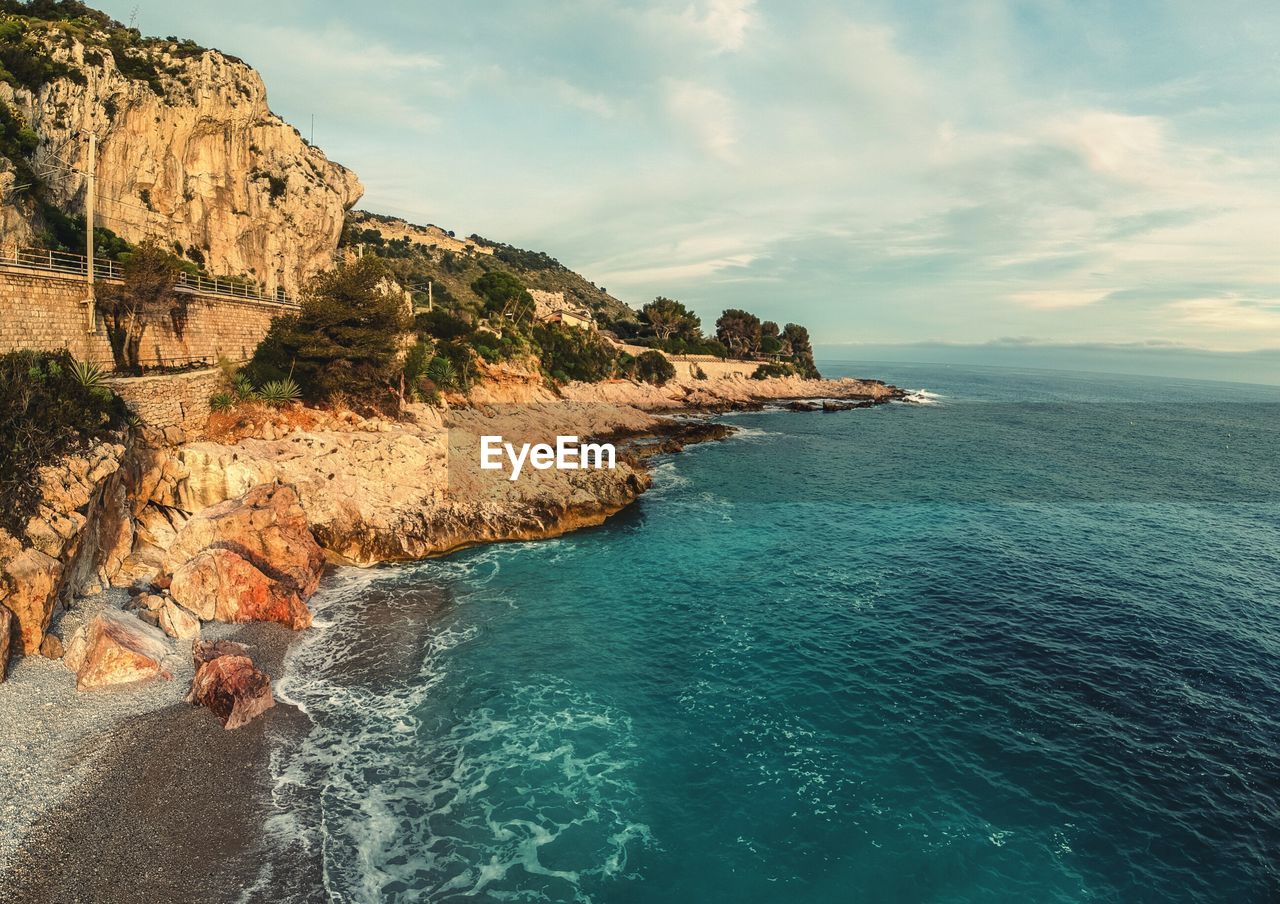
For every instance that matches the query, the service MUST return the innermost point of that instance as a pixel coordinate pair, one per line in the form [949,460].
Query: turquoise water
[1019,644]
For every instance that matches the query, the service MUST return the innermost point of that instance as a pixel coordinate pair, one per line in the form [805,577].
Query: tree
[653,367]
[504,294]
[740,331]
[769,329]
[146,297]
[668,317]
[344,341]
[795,339]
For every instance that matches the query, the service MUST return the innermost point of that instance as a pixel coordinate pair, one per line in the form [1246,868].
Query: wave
[923,397]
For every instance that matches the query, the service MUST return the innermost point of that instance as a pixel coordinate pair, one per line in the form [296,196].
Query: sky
[1057,173]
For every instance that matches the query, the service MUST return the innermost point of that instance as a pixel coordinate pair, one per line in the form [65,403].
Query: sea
[1017,640]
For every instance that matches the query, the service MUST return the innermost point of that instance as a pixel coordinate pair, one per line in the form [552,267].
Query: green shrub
[222,401]
[442,373]
[443,324]
[244,388]
[278,393]
[698,372]
[572,354]
[777,369]
[48,409]
[653,367]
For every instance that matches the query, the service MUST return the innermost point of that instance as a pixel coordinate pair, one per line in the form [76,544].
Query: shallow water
[1017,644]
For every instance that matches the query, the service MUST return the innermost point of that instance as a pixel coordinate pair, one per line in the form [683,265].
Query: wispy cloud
[877,171]
[707,115]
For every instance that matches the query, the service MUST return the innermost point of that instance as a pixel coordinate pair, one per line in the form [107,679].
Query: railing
[66,262]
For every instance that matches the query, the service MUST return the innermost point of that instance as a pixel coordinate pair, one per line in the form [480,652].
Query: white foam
[435,809]
[924,397]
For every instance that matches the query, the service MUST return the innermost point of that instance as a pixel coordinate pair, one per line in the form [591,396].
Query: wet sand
[173,810]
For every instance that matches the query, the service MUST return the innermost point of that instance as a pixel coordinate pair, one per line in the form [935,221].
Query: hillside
[419,254]
[189,153]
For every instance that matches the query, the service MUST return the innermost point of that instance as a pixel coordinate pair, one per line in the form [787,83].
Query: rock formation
[6,635]
[227,683]
[193,154]
[116,648]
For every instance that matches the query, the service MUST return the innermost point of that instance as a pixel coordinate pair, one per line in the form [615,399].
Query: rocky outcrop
[196,156]
[179,622]
[222,585]
[380,491]
[6,637]
[30,584]
[728,392]
[115,648]
[266,527]
[227,683]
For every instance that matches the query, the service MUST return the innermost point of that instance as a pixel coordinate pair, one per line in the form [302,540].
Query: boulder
[31,579]
[114,649]
[51,647]
[6,634]
[179,622]
[266,527]
[222,585]
[227,683]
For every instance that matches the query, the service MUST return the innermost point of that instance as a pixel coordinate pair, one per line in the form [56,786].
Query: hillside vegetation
[418,254]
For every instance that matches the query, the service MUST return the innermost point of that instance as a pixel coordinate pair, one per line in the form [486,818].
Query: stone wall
[171,400]
[715,368]
[43,312]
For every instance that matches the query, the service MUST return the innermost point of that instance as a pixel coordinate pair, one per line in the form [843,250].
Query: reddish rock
[6,634]
[116,648]
[179,622]
[31,580]
[221,584]
[266,527]
[51,647]
[227,683]
[203,651]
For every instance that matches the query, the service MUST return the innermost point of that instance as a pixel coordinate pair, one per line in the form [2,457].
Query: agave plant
[441,372]
[243,388]
[88,374]
[222,401]
[280,392]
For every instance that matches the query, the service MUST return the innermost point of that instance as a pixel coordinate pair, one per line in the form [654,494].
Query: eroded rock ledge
[240,530]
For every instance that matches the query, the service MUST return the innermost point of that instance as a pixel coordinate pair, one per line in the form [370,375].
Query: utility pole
[90,190]
[430,300]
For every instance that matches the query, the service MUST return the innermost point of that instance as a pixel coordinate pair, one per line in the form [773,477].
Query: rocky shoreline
[236,526]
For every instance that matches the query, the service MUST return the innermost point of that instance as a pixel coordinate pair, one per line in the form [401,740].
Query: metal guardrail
[70,264]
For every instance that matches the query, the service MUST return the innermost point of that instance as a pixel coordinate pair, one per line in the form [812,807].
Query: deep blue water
[1017,645]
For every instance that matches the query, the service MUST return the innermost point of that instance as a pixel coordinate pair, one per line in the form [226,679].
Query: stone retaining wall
[46,313]
[170,400]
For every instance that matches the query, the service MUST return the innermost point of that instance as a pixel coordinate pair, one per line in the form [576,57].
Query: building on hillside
[551,307]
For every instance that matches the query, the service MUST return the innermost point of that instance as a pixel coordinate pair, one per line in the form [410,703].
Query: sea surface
[1020,643]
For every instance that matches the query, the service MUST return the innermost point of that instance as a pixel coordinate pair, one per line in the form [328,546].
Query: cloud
[1043,299]
[724,23]
[707,115]
[573,96]
[1240,324]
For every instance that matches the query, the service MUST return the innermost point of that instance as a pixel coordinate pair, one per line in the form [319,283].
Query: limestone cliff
[189,153]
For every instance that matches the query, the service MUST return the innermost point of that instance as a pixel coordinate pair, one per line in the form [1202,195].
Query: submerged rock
[115,648]
[227,683]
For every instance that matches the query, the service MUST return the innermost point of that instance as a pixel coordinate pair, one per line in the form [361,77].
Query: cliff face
[191,157]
